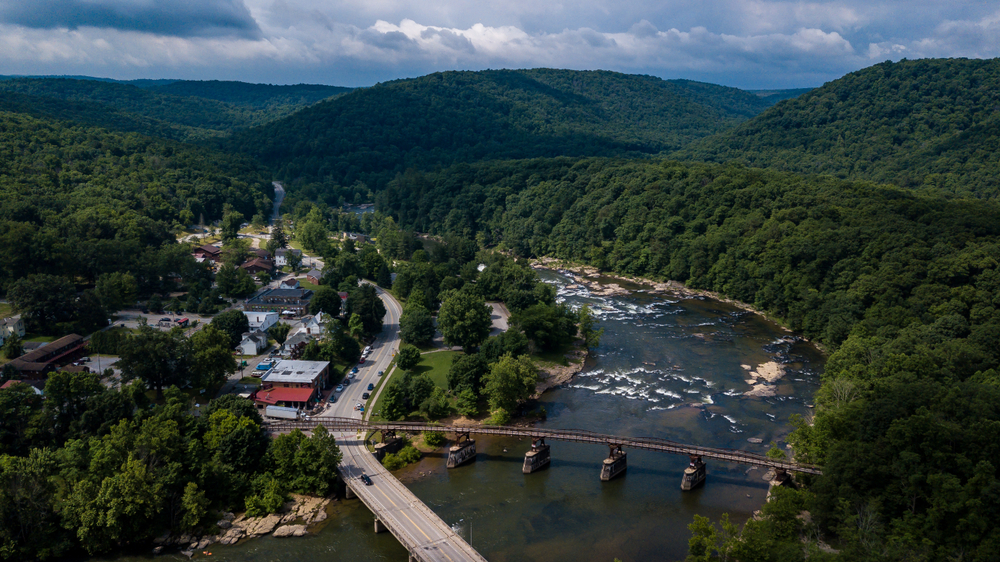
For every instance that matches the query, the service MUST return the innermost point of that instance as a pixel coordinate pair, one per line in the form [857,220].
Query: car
[340,388]
[165,319]
[361,409]
[361,361]
[371,386]
[354,370]
[365,395]
[351,376]
[366,479]
[380,373]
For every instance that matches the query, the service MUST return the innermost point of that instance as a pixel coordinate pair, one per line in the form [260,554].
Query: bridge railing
[572,435]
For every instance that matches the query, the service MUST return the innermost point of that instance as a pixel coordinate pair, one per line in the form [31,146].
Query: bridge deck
[573,435]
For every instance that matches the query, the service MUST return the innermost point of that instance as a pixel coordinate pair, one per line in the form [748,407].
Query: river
[665,367]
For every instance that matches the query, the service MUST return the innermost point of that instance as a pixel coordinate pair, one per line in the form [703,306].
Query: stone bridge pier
[463,451]
[615,464]
[538,457]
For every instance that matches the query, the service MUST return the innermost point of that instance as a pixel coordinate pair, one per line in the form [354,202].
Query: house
[208,252]
[258,265]
[314,276]
[253,343]
[261,253]
[48,357]
[267,397]
[287,302]
[11,326]
[261,320]
[281,256]
[314,325]
[290,283]
[31,384]
[357,237]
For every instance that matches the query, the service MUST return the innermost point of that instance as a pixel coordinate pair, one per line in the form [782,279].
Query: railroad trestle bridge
[464,448]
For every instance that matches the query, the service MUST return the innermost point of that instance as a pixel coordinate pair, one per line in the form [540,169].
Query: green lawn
[5,309]
[39,338]
[436,365]
[306,284]
[556,356]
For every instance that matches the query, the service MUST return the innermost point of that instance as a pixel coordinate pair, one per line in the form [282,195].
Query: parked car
[354,370]
[371,386]
[340,388]
[361,361]
[380,373]
[365,395]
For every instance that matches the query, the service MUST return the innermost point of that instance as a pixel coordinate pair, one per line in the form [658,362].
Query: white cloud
[355,42]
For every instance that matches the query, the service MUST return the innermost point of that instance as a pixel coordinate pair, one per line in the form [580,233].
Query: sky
[750,44]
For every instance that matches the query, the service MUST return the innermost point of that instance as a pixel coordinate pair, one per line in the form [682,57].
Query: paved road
[417,527]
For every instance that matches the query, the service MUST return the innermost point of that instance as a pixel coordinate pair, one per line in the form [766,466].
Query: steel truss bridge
[572,435]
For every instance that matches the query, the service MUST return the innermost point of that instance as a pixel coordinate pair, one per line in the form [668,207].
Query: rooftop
[275,395]
[287,370]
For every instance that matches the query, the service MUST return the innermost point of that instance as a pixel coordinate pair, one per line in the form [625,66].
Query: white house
[314,325]
[261,320]
[253,343]
[281,255]
[291,283]
[11,326]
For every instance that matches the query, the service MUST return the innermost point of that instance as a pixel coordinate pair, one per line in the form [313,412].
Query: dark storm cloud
[181,18]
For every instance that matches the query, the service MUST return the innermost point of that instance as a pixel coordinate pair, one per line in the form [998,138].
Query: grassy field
[306,284]
[5,309]
[436,365]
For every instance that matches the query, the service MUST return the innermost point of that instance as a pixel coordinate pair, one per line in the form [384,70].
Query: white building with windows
[261,320]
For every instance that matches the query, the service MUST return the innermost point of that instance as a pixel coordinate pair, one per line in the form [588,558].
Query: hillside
[372,134]
[929,124]
[179,110]
[902,285]
[80,201]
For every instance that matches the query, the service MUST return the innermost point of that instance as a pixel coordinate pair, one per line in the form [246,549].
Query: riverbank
[301,516]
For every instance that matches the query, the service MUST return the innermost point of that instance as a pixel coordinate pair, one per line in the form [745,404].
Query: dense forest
[180,110]
[80,201]
[372,134]
[928,124]
[901,285]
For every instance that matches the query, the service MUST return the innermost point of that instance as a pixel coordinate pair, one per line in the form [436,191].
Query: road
[418,528]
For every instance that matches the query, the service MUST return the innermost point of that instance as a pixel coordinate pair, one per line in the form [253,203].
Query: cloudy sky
[743,43]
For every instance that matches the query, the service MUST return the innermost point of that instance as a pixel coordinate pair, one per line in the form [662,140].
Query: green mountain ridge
[372,134]
[926,124]
[179,110]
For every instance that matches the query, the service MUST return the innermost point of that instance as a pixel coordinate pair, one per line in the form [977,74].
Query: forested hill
[180,110]
[929,124]
[372,134]
[286,99]
[902,284]
[81,201]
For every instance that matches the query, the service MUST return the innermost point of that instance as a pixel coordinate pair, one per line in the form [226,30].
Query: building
[208,252]
[358,238]
[286,302]
[258,265]
[314,276]
[294,384]
[11,326]
[261,320]
[291,283]
[281,255]
[47,358]
[34,387]
[314,325]
[261,253]
[253,343]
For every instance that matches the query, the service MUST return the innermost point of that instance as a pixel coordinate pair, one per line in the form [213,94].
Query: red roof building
[291,397]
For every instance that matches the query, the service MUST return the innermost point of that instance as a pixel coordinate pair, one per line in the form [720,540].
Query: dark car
[371,386]
[366,479]
[365,395]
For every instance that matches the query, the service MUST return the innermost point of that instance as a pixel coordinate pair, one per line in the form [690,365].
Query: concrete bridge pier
[538,457]
[615,464]
[390,444]
[349,493]
[694,474]
[462,451]
[379,526]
